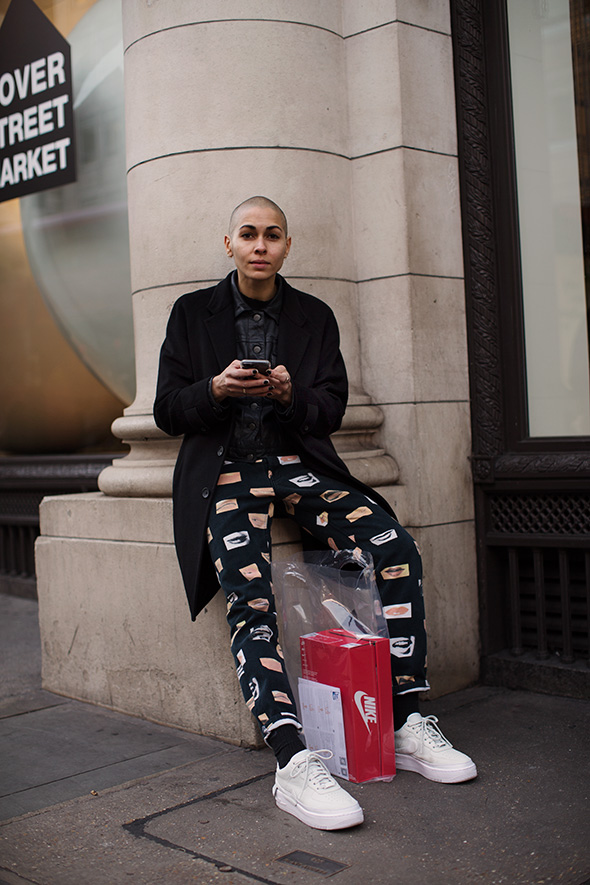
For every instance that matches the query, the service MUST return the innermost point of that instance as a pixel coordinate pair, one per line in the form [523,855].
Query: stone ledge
[116,631]
[93,515]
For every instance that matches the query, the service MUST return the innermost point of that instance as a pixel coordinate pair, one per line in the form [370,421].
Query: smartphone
[261,365]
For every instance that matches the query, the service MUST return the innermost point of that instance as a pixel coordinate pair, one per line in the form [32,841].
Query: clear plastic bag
[325,590]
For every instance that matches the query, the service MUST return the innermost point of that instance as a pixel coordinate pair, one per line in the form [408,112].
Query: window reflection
[554,290]
[77,236]
[49,401]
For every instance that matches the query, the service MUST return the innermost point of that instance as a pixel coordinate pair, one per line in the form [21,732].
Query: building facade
[394,135]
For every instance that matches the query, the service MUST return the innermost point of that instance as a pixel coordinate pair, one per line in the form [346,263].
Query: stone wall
[344,114]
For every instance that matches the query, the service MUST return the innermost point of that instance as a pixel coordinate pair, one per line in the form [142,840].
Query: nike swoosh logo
[358,699]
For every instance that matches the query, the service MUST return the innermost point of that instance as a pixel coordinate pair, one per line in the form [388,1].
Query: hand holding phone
[260,365]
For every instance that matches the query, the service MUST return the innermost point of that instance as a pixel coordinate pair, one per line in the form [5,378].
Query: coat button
[220,451]
[205,493]
[306,427]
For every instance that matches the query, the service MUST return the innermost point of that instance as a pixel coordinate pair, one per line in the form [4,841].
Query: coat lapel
[294,332]
[220,324]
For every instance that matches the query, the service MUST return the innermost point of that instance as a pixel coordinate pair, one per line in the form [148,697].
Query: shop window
[549,60]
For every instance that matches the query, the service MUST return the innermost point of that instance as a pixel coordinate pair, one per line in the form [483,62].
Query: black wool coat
[200,343]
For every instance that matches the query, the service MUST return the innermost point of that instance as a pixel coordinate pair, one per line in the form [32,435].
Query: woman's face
[258,243]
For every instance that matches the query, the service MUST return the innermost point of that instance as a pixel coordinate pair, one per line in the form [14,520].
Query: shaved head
[263,202]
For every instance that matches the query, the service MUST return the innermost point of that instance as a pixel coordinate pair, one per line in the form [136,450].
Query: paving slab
[20,646]
[63,751]
[524,820]
[28,702]
[116,799]
[54,748]
[516,823]
[86,840]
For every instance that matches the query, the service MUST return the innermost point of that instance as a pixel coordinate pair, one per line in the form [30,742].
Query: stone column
[224,102]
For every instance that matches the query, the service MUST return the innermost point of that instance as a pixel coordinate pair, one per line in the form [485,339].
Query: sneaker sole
[433,773]
[339,820]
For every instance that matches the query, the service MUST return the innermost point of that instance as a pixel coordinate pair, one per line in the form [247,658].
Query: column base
[148,469]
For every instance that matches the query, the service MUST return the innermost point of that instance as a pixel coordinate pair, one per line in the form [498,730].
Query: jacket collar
[294,328]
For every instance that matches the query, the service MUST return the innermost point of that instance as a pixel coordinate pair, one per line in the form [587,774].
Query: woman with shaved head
[252,375]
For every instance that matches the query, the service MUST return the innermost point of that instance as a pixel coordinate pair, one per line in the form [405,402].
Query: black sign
[36,114]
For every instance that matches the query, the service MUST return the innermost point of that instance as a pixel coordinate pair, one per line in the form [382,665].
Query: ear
[287,246]
[228,248]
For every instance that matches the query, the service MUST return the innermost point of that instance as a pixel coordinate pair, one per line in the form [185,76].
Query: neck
[260,290]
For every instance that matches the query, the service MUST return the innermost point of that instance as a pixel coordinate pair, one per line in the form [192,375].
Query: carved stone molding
[148,469]
[482,469]
[478,227]
[546,465]
[562,464]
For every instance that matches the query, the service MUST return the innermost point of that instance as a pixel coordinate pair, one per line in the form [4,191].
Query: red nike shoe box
[360,667]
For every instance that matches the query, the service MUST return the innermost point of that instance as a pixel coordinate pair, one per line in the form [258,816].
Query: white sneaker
[306,789]
[421,746]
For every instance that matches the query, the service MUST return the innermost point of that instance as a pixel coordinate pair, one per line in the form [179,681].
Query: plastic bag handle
[355,557]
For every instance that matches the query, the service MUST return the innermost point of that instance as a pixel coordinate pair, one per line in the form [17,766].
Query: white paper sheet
[321,714]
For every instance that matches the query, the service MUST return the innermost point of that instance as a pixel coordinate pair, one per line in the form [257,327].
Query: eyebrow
[270,227]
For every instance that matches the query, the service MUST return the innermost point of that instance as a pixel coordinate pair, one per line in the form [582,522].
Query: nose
[260,245]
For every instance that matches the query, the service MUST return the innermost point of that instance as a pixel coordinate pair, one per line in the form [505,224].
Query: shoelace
[431,733]
[316,772]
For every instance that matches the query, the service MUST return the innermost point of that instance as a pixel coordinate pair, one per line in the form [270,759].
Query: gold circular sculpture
[65,292]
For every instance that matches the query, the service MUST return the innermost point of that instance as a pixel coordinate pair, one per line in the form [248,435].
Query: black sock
[403,706]
[285,742]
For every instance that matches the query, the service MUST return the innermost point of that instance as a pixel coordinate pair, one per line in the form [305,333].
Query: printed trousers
[246,498]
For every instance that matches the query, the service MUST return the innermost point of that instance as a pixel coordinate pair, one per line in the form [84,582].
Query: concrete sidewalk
[92,797]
